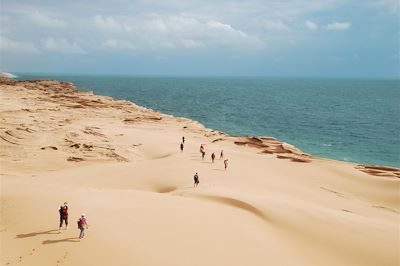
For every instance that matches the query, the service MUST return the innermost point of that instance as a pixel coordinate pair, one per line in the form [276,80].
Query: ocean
[356,120]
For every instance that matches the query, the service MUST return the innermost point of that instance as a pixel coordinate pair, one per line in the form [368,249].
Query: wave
[326,144]
[7,75]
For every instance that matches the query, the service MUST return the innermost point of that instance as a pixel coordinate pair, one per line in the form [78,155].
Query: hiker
[63,216]
[183,139]
[212,157]
[181,147]
[226,163]
[196,180]
[221,156]
[202,151]
[82,225]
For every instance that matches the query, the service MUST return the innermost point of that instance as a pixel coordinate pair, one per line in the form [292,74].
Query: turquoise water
[353,120]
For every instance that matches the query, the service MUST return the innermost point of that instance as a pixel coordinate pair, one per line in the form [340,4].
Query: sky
[292,38]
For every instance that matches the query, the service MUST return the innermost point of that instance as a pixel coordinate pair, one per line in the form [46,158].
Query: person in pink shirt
[82,225]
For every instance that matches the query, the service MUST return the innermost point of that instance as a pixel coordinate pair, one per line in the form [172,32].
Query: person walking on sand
[82,225]
[221,156]
[196,180]
[181,147]
[226,163]
[63,211]
[183,139]
[212,157]
[202,151]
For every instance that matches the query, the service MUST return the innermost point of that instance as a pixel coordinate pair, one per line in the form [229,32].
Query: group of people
[82,222]
[203,153]
[221,156]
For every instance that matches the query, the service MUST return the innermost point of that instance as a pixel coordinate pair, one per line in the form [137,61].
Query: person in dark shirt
[196,180]
[63,211]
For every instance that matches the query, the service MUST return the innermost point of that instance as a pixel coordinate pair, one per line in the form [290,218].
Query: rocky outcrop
[378,170]
[270,145]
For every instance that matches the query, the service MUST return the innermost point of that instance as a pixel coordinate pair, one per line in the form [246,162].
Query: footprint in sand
[62,259]
[33,250]
[20,258]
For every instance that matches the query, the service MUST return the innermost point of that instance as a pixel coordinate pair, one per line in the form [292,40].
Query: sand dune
[121,165]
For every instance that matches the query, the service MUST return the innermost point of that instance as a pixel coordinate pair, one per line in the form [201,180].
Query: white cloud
[44,20]
[311,25]
[61,45]
[222,27]
[157,31]
[338,26]
[153,24]
[14,46]
[275,25]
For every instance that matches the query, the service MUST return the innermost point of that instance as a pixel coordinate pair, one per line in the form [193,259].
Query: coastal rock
[270,145]
[7,81]
[294,158]
[378,170]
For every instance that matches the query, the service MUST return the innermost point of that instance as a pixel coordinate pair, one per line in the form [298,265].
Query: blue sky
[310,38]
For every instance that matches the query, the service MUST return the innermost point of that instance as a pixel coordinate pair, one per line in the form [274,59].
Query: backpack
[81,222]
[64,211]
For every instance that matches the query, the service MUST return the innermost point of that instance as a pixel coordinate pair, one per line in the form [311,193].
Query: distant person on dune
[181,147]
[82,225]
[221,155]
[196,180]
[212,157]
[183,139]
[226,163]
[202,148]
[202,151]
[63,211]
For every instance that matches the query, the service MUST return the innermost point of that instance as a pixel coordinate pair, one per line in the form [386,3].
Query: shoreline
[358,147]
[265,144]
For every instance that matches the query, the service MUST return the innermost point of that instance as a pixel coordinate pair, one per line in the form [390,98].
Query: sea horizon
[18,73]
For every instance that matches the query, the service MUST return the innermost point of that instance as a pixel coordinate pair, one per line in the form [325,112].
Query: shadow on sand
[49,232]
[71,239]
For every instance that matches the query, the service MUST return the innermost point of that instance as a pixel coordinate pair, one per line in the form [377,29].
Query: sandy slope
[121,164]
